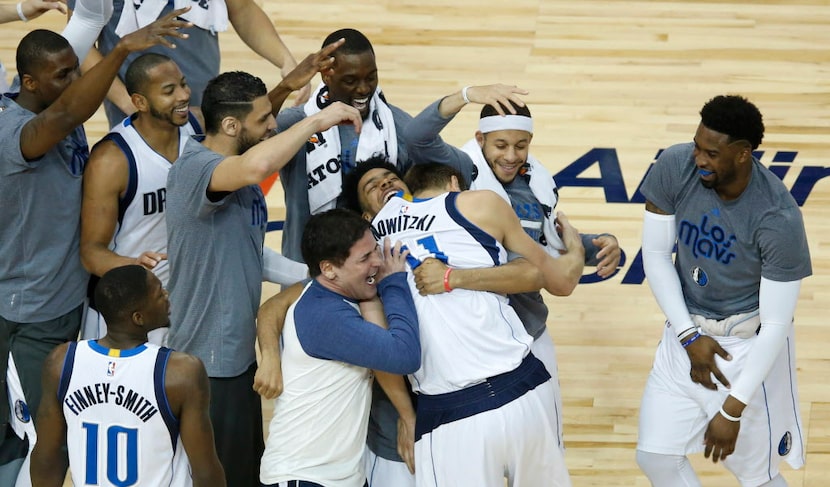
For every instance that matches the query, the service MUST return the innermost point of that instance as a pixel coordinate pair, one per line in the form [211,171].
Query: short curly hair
[734,116]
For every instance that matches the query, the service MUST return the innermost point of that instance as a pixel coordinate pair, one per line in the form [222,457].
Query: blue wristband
[691,339]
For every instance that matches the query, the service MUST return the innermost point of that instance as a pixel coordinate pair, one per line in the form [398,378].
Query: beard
[245,142]
[166,117]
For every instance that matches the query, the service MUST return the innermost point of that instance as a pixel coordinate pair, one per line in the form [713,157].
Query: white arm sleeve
[88,18]
[777,306]
[659,236]
[281,270]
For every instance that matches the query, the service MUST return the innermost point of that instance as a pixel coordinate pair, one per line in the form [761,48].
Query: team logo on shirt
[786,444]
[699,276]
[21,411]
[110,369]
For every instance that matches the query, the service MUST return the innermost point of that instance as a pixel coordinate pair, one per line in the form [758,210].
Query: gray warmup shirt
[41,276]
[215,253]
[295,181]
[725,247]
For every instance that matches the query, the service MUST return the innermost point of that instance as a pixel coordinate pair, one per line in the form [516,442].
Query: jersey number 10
[121,455]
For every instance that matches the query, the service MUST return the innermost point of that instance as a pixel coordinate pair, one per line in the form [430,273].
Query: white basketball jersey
[120,430]
[318,430]
[466,336]
[141,224]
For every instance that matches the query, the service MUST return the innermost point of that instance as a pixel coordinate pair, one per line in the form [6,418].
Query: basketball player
[43,148]
[312,179]
[125,181]
[216,218]
[129,412]
[462,394]
[723,379]
[331,340]
[499,158]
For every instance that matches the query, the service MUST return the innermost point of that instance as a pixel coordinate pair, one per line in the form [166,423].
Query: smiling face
[258,125]
[353,80]
[722,166]
[166,94]
[355,277]
[505,152]
[375,188]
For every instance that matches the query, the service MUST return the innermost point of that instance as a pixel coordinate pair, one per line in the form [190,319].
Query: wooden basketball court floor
[610,81]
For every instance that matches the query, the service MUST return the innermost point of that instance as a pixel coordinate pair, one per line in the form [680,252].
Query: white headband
[507,122]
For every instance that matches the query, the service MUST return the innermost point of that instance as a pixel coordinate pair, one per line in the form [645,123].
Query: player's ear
[29,82]
[138,320]
[230,126]
[480,138]
[454,186]
[139,101]
[327,270]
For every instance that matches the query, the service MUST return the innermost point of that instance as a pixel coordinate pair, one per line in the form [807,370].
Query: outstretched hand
[497,96]
[33,9]
[702,353]
[318,62]
[157,32]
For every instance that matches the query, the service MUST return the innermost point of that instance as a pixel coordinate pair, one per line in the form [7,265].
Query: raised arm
[81,99]
[268,157]
[49,461]
[257,32]
[269,323]
[28,9]
[105,181]
[117,92]
[300,76]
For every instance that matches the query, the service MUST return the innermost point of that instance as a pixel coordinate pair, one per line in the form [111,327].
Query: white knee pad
[667,470]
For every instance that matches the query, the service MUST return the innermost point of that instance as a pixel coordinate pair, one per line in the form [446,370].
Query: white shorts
[675,411]
[381,472]
[94,327]
[517,441]
[20,420]
[545,351]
